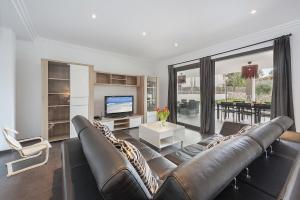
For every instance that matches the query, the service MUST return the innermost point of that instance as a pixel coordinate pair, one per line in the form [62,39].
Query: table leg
[218,110]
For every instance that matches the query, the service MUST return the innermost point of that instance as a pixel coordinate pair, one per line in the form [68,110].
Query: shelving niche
[116,79]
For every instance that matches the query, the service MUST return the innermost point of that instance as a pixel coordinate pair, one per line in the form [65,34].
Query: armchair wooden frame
[26,152]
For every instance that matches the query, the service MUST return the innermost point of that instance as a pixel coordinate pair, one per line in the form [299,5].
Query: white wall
[28,68]
[292,27]
[7,82]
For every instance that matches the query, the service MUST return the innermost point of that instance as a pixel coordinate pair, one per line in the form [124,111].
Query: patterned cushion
[217,140]
[245,129]
[220,138]
[133,155]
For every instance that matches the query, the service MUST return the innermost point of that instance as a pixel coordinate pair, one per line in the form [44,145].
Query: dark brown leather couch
[202,175]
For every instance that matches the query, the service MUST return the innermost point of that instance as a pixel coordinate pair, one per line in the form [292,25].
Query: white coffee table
[162,136]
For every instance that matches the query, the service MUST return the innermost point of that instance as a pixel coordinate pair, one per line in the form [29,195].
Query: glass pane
[188,97]
[242,97]
[151,93]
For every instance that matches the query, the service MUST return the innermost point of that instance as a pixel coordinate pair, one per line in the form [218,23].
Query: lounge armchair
[26,152]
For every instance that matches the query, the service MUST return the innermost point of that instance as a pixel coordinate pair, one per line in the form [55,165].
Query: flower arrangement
[163,115]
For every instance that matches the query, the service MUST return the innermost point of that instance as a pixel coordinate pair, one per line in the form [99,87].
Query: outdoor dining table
[256,107]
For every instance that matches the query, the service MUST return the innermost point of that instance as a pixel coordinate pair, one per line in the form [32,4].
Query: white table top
[157,127]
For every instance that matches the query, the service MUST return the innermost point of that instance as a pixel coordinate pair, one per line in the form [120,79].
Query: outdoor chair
[26,152]
[228,107]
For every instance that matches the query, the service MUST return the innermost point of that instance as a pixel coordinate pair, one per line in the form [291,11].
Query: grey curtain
[172,105]
[282,95]
[207,92]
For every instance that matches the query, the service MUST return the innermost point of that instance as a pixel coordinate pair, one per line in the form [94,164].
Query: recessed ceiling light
[144,34]
[175,44]
[253,12]
[94,16]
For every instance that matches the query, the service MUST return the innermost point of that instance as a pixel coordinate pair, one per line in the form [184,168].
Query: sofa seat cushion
[149,153]
[193,149]
[136,143]
[161,166]
[210,140]
[178,157]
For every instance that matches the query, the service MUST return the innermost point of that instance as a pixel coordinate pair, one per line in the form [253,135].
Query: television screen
[118,104]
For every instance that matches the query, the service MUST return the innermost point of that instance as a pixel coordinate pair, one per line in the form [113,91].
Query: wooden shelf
[54,106]
[169,141]
[59,122]
[120,123]
[60,93]
[120,128]
[58,138]
[120,79]
[58,79]
[58,70]
[107,79]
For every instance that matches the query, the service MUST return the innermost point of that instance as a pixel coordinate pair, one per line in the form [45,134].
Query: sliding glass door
[188,96]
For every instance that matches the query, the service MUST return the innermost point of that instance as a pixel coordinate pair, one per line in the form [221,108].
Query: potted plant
[163,115]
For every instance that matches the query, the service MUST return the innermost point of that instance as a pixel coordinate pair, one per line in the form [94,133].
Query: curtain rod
[288,35]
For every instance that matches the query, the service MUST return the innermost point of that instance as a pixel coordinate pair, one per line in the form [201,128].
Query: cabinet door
[152,93]
[77,110]
[79,93]
[135,122]
[79,83]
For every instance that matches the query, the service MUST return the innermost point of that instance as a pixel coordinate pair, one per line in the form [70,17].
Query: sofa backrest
[115,176]
[266,133]
[206,175]
[284,122]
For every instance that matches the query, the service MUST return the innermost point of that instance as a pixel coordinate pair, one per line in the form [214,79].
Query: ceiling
[118,27]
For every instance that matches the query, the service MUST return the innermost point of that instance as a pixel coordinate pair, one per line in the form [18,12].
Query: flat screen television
[118,105]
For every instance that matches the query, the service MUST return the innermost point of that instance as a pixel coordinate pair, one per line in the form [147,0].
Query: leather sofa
[202,174]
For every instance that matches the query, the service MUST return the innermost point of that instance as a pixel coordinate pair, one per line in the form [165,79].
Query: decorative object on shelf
[250,71]
[163,115]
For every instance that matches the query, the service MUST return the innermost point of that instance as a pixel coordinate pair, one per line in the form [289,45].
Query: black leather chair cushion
[208,173]
[178,157]
[161,166]
[149,153]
